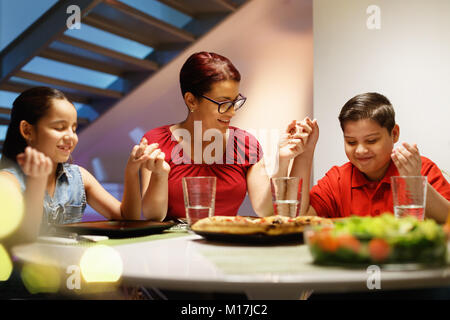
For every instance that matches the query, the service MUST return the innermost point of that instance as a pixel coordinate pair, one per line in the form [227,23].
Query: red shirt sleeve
[157,135]
[323,194]
[435,177]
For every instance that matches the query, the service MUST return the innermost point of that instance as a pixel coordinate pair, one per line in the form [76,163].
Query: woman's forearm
[283,168]
[301,168]
[258,185]
[258,182]
[155,200]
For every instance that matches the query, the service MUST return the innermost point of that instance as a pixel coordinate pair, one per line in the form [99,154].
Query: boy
[363,185]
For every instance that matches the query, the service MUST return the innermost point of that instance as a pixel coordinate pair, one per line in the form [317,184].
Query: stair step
[65,57]
[98,92]
[18,87]
[120,19]
[110,41]
[4,110]
[196,8]
[107,58]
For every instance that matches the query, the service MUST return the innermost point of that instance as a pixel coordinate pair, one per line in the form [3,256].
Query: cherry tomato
[349,242]
[379,249]
[327,241]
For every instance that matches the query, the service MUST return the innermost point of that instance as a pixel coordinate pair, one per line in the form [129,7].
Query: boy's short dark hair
[370,105]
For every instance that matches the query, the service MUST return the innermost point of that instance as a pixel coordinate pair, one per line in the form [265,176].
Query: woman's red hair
[202,69]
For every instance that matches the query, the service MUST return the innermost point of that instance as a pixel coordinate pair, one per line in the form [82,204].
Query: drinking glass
[286,195]
[199,197]
[409,195]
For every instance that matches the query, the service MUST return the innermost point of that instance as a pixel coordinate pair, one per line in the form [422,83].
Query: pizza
[273,225]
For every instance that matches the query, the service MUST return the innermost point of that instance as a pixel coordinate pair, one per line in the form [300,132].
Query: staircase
[49,40]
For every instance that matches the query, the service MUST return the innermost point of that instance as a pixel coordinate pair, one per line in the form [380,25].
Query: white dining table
[280,271]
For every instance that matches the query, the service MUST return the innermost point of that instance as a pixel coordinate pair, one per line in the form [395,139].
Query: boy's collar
[359,179]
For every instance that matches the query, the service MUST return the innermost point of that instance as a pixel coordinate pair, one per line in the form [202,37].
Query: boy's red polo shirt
[345,191]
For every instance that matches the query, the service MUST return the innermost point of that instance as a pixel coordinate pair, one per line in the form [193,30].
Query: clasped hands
[300,137]
[149,157]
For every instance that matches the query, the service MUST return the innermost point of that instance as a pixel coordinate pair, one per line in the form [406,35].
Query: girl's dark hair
[371,105]
[31,105]
[202,69]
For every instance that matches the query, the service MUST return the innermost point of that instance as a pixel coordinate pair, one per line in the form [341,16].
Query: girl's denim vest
[69,199]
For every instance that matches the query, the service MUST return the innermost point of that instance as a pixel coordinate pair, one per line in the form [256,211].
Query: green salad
[382,239]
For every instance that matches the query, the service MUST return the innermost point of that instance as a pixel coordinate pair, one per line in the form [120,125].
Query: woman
[210,88]
[40,139]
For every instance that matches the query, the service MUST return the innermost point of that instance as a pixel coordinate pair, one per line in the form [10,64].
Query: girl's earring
[192,110]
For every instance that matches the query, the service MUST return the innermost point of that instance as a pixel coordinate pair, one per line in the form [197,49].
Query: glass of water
[286,195]
[199,197]
[409,194]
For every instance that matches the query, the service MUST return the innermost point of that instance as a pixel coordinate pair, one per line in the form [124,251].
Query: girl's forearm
[130,207]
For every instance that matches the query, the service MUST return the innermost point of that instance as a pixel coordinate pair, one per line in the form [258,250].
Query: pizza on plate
[273,225]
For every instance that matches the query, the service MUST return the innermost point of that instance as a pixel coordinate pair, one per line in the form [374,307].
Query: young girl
[39,142]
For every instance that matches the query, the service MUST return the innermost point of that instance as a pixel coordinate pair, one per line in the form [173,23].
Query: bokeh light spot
[101,264]
[11,207]
[41,278]
[6,266]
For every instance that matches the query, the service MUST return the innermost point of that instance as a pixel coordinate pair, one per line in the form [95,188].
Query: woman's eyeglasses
[224,106]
